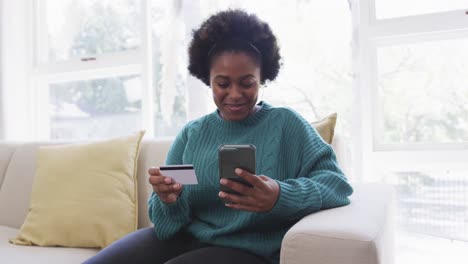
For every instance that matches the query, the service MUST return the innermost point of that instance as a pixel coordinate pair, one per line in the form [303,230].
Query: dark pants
[143,247]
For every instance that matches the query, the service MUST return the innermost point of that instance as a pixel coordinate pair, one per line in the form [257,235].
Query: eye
[223,85]
[248,84]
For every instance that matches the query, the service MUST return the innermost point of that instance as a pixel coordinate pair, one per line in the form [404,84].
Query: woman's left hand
[259,198]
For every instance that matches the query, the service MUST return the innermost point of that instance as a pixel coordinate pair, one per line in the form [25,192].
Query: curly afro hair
[233,30]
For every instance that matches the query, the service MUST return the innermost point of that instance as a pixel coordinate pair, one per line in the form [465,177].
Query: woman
[235,53]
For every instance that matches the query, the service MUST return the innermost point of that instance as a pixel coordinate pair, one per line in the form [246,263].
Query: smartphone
[232,157]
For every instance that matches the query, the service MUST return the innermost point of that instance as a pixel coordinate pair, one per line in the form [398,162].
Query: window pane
[398,8]
[95,109]
[431,214]
[423,91]
[92,27]
[433,202]
[315,78]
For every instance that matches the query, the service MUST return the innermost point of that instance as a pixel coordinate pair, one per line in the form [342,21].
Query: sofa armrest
[360,233]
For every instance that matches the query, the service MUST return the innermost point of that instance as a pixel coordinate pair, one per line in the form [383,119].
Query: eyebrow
[242,78]
[221,77]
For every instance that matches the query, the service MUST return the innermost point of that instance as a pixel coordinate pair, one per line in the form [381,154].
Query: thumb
[264,178]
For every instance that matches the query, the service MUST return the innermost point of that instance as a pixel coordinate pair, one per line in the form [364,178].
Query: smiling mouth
[235,107]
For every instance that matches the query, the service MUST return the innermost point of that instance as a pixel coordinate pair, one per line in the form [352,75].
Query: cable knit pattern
[289,150]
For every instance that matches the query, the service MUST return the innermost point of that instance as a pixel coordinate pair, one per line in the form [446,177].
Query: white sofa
[360,233]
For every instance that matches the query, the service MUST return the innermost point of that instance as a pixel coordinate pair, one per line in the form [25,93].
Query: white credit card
[183,174]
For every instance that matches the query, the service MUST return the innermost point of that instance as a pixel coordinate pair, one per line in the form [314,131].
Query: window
[423,93]
[88,75]
[80,29]
[411,68]
[95,108]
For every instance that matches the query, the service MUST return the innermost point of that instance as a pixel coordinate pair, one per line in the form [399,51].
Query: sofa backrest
[153,153]
[6,151]
[17,169]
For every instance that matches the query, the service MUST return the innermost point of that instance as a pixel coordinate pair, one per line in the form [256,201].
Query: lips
[235,107]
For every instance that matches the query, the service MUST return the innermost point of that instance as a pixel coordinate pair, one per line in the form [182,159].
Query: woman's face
[235,82]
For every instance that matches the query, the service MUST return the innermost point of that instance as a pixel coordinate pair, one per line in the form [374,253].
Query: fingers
[233,198]
[154,180]
[161,180]
[240,202]
[237,186]
[167,188]
[162,184]
[154,171]
[249,177]
[259,198]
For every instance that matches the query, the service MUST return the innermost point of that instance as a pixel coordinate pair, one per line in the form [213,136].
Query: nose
[235,92]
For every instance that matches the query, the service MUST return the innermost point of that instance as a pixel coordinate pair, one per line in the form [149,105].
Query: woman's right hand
[166,188]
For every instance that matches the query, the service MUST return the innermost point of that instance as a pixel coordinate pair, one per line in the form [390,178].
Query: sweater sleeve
[319,183]
[168,219]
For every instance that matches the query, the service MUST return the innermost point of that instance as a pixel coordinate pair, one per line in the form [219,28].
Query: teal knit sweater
[289,150]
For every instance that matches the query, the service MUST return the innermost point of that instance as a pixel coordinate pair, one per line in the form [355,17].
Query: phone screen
[232,157]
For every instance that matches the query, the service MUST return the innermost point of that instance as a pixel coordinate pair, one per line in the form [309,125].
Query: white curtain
[15,60]
[1,75]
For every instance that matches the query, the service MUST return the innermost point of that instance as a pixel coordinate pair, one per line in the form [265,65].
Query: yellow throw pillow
[84,195]
[326,127]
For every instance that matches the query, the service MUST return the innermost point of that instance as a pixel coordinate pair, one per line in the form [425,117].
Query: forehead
[234,64]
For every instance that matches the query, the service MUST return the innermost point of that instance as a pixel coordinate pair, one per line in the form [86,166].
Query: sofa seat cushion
[15,254]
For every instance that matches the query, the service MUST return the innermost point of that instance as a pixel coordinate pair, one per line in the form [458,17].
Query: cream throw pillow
[84,195]
[326,127]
